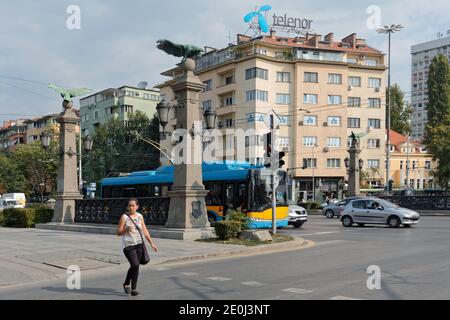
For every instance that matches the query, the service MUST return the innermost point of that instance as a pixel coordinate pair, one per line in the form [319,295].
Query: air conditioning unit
[350,88]
[326,149]
[377,89]
[325,124]
[362,57]
[301,123]
[285,149]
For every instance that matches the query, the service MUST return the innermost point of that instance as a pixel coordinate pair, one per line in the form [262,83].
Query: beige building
[322,90]
[421,165]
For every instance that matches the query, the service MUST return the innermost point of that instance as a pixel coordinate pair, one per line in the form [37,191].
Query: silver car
[377,211]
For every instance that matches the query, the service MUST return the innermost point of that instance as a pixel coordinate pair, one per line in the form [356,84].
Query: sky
[116,42]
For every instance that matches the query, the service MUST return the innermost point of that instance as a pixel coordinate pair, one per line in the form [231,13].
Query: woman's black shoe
[127,289]
[135,293]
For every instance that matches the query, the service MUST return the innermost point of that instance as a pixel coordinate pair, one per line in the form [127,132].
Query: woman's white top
[132,238]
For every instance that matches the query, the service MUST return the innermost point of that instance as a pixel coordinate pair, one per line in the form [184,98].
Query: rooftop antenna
[142,85]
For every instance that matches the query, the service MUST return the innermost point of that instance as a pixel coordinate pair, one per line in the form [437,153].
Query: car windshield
[11,202]
[387,204]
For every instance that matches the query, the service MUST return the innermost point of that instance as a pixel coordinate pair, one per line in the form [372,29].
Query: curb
[297,244]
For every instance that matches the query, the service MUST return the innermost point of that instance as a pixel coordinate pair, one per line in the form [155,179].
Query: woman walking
[132,228]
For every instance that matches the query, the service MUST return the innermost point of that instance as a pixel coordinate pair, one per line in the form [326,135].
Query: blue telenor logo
[261,19]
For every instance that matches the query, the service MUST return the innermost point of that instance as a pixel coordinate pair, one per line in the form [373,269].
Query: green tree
[400,111]
[119,148]
[11,178]
[438,127]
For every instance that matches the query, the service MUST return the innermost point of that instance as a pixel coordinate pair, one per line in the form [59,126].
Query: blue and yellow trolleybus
[231,185]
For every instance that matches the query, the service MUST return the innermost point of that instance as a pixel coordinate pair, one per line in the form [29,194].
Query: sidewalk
[33,255]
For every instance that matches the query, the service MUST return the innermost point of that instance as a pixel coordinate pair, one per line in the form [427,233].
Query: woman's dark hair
[134,200]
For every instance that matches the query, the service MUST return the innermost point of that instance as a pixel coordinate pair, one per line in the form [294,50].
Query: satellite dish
[142,85]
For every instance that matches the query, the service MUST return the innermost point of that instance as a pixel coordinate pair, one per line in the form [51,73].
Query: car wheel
[298,225]
[394,222]
[361,224]
[329,214]
[347,221]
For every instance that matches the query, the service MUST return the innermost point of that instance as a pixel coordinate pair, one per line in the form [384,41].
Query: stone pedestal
[187,198]
[67,188]
[354,172]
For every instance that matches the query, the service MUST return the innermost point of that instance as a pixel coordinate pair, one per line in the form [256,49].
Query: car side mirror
[381,208]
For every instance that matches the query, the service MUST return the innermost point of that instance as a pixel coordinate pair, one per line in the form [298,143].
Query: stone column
[67,188]
[353,177]
[187,197]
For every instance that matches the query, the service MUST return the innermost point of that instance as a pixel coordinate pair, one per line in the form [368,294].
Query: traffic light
[268,155]
[281,162]
[391,185]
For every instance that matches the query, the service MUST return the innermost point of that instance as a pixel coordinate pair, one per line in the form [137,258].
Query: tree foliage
[400,111]
[438,127]
[119,148]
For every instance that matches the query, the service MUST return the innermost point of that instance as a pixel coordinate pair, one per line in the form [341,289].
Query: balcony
[225,89]
[226,110]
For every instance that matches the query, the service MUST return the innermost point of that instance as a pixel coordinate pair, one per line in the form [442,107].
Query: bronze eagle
[179,50]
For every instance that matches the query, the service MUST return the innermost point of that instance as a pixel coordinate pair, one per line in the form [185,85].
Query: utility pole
[407,164]
[274,174]
[313,164]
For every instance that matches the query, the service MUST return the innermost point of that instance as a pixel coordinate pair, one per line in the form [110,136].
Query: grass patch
[249,243]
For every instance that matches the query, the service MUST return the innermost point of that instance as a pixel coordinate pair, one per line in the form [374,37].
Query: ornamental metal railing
[109,211]
[420,202]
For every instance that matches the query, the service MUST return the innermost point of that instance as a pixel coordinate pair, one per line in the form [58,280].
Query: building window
[283,98]
[373,144]
[229,80]
[310,98]
[352,60]
[96,114]
[207,105]
[109,111]
[334,142]
[373,164]
[354,123]
[257,95]
[354,102]
[256,73]
[374,103]
[228,101]
[371,62]
[310,163]
[311,77]
[375,123]
[354,81]
[229,123]
[125,109]
[428,165]
[334,121]
[283,77]
[282,142]
[334,100]
[334,78]
[208,84]
[374,83]
[310,120]
[333,163]
[309,141]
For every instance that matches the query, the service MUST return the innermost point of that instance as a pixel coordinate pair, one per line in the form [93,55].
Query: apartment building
[411,155]
[98,108]
[422,56]
[37,125]
[322,90]
[12,134]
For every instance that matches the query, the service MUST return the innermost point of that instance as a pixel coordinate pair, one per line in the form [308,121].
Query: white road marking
[320,233]
[297,290]
[219,279]
[325,243]
[253,284]
[343,298]
[161,268]
[189,274]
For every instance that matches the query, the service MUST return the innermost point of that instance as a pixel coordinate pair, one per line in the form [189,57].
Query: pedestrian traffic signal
[268,147]
[281,162]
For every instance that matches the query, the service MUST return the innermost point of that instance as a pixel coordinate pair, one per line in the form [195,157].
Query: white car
[297,216]
[9,204]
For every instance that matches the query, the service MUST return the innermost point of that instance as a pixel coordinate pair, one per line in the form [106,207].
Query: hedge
[26,218]
[226,230]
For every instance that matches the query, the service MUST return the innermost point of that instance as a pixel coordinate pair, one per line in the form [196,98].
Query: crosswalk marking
[343,298]
[297,290]
[253,284]
[189,274]
[221,279]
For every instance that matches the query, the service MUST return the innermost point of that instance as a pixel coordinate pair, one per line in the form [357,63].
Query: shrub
[19,218]
[238,216]
[1,219]
[226,230]
[43,215]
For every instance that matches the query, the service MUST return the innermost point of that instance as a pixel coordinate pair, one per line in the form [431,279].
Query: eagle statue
[179,50]
[68,93]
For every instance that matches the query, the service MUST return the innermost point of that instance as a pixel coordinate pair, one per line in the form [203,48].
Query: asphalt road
[414,264]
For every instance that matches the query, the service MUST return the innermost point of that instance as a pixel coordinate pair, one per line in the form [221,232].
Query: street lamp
[389,30]
[163,114]
[361,164]
[210,119]
[347,163]
[88,143]
[45,140]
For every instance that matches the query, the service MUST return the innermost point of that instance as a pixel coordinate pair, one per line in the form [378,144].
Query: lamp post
[313,163]
[389,30]
[354,166]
